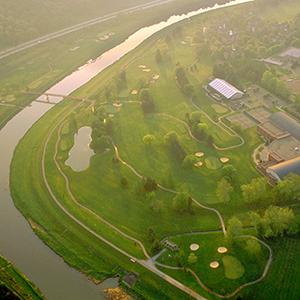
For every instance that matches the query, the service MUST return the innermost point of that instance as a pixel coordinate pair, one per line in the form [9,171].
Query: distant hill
[22,20]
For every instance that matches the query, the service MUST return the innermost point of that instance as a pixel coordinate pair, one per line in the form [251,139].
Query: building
[170,245]
[287,123]
[279,126]
[225,89]
[281,170]
[281,150]
[271,132]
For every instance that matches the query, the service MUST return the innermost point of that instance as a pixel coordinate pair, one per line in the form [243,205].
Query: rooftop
[292,52]
[224,88]
[274,131]
[283,169]
[286,123]
[285,149]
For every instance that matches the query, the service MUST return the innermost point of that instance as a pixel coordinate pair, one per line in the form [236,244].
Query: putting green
[212,163]
[233,267]
[219,109]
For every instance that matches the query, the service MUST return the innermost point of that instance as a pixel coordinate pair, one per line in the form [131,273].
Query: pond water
[18,243]
[80,154]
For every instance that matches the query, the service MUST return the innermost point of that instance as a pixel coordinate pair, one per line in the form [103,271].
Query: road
[85,24]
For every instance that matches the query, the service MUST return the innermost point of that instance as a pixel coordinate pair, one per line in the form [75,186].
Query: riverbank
[37,69]
[16,282]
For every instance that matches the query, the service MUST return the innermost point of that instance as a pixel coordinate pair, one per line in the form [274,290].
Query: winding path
[149,263]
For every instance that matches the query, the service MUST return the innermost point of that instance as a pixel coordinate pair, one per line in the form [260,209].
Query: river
[18,243]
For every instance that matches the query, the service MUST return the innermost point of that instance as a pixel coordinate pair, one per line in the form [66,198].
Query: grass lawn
[237,266]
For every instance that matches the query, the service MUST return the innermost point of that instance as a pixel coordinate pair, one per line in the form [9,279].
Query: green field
[123,213]
[16,282]
[38,68]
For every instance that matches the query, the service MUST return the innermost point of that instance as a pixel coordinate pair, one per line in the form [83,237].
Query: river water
[18,243]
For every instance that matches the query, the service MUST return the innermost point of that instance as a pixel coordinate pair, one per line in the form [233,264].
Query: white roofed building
[225,89]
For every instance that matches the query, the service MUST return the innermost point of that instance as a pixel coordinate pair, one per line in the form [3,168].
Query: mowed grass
[237,266]
[282,283]
[79,248]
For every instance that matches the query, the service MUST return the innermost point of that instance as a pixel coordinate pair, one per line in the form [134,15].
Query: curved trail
[227,129]
[73,198]
[148,264]
[234,293]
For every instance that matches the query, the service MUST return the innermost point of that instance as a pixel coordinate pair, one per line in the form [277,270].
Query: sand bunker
[214,265]
[198,164]
[194,247]
[199,154]
[156,76]
[147,70]
[222,250]
[134,92]
[224,160]
[142,66]
[117,105]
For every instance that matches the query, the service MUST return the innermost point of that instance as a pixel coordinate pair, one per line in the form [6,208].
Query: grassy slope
[27,19]
[37,69]
[17,282]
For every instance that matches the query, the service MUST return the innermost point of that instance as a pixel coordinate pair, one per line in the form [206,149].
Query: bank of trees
[275,222]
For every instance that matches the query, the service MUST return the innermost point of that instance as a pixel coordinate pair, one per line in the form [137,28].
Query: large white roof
[224,88]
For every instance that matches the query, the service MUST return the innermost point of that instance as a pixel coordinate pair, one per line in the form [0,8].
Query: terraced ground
[123,214]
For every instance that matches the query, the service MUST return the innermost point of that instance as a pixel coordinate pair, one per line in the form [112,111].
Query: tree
[253,247]
[275,222]
[224,190]
[195,117]
[181,77]
[288,190]
[156,205]
[183,202]
[189,161]
[158,56]
[234,228]
[229,172]
[124,182]
[147,102]
[150,185]
[256,190]
[149,139]
[151,236]
[192,259]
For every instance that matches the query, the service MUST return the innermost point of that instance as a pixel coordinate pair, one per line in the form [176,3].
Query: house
[170,245]
[225,89]
[281,170]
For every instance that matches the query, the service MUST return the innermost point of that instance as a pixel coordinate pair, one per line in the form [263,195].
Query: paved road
[85,24]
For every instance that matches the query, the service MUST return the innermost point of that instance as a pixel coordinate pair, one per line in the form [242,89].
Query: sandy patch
[194,247]
[222,250]
[214,265]
[199,154]
[199,164]
[224,160]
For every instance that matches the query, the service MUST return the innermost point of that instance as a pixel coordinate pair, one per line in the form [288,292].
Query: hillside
[22,20]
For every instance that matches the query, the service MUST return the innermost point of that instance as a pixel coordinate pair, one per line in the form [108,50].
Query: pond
[81,153]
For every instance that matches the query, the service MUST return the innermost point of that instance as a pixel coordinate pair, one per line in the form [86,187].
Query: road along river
[18,242]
